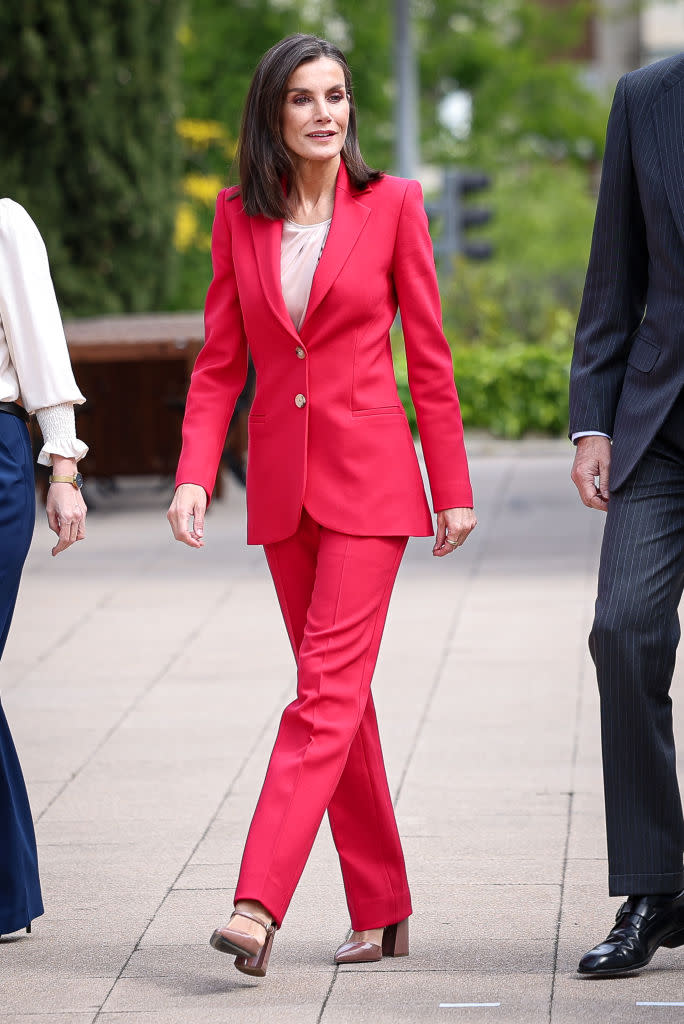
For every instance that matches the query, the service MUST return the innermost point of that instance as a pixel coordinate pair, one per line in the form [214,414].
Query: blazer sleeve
[221,367]
[614,298]
[428,357]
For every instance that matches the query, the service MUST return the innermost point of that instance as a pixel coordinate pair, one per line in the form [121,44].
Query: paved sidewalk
[144,682]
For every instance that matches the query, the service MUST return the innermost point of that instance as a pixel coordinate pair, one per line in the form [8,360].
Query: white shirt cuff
[588,433]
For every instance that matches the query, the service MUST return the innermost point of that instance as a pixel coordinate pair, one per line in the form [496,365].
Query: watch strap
[65,480]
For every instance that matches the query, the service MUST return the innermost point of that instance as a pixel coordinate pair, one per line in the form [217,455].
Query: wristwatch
[76,480]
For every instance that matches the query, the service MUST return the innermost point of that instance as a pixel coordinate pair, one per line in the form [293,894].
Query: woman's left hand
[65,507]
[454,526]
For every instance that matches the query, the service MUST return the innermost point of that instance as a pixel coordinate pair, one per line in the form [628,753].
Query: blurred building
[662,30]
[626,34]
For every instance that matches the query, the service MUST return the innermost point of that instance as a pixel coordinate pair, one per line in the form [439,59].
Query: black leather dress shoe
[642,924]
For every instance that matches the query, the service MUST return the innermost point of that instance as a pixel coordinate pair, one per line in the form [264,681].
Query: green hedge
[511,392]
[511,341]
[514,391]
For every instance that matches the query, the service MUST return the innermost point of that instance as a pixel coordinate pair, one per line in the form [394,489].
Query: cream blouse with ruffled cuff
[58,427]
[34,359]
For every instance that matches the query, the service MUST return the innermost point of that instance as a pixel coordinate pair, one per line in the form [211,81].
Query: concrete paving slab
[482,870]
[478,835]
[577,1000]
[82,960]
[87,832]
[188,917]
[291,953]
[221,989]
[116,916]
[231,1006]
[486,795]
[371,996]
[55,994]
[587,871]
[210,875]
[46,1018]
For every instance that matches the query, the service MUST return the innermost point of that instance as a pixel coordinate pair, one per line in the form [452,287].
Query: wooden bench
[134,371]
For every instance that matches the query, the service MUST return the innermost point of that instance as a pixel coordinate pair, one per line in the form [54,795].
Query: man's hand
[592,463]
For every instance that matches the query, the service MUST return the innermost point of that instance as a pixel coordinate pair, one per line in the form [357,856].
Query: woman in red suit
[311,255]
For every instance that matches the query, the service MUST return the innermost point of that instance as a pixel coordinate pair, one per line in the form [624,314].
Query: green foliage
[222,43]
[541,230]
[511,340]
[543,220]
[89,100]
[527,102]
[519,387]
[365,36]
[538,131]
[511,391]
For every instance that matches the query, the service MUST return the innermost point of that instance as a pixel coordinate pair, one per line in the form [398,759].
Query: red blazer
[327,429]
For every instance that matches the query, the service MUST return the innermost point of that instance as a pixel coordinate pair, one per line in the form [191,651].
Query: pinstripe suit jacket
[628,363]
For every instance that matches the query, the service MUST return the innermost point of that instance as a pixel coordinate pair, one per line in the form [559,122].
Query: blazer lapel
[668,118]
[348,220]
[267,237]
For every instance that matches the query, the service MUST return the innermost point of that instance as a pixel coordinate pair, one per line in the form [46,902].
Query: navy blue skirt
[20,897]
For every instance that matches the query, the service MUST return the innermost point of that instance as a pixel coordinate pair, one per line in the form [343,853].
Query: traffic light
[464,184]
[458,217]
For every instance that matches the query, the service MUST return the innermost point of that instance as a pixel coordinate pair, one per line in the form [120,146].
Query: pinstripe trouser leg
[633,644]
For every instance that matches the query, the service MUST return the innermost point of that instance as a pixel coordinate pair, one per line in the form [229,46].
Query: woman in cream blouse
[35,377]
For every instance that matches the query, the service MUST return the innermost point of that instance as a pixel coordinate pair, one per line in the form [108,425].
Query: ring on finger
[450,541]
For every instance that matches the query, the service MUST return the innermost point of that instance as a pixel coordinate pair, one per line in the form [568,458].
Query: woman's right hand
[189,503]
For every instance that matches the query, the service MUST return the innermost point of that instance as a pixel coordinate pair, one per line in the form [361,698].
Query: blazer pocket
[643,355]
[256,417]
[382,410]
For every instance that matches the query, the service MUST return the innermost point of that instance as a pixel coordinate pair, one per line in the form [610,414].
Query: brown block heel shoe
[395,942]
[251,956]
[257,965]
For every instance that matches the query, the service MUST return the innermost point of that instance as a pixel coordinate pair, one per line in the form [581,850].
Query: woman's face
[315,111]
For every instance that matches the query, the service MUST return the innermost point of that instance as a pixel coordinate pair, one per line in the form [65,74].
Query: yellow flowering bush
[203,134]
[202,187]
[186,232]
[207,147]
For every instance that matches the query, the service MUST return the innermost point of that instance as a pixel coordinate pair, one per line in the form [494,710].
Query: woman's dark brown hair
[264,160]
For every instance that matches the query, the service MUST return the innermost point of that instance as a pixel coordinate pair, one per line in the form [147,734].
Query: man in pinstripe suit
[627,387]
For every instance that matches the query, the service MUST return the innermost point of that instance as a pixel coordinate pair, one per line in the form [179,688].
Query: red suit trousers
[334,592]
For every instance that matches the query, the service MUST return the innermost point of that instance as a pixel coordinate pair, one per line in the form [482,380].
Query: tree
[528,102]
[537,129]
[222,44]
[89,95]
